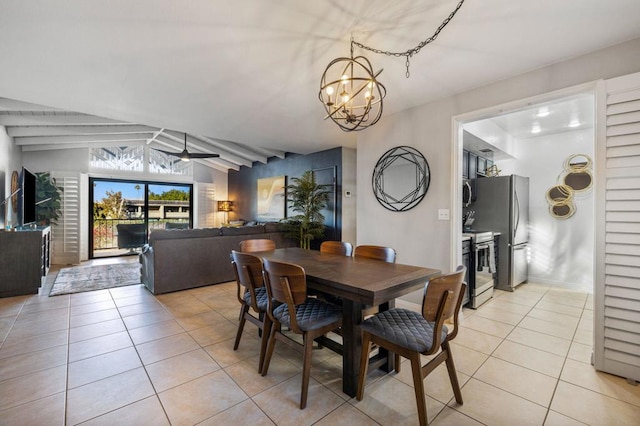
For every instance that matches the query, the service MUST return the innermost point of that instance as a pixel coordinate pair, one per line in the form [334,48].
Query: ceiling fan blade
[198,155]
[175,154]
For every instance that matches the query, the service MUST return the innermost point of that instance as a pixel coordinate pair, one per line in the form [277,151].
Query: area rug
[79,279]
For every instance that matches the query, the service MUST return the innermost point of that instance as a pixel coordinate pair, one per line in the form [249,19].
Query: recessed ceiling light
[543,112]
[535,128]
[574,123]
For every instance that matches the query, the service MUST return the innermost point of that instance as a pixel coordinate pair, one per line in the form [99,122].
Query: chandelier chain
[409,53]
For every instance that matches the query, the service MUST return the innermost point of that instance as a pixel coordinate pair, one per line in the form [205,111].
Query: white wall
[561,250]
[10,161]
[349,205]
[418,236]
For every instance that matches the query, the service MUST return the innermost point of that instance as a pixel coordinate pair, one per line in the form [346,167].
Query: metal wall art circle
[401,178]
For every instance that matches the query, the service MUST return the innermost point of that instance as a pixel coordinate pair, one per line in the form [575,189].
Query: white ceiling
[249,71]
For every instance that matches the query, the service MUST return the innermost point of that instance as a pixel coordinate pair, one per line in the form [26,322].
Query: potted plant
[48,195]
[307,198]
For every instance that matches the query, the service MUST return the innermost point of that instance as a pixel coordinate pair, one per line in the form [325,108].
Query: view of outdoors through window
[125,212]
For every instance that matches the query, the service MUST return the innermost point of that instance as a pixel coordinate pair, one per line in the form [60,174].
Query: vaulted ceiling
[242,78]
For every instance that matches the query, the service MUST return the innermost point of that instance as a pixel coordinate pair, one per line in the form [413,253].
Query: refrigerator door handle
[515,228]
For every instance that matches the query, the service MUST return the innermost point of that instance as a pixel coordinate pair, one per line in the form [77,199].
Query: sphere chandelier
[349,88]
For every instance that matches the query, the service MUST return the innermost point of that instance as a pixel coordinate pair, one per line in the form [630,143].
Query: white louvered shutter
[206,206]
[617,308]
[66,233]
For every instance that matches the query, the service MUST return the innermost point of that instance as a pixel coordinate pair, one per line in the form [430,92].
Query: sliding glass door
[125,212]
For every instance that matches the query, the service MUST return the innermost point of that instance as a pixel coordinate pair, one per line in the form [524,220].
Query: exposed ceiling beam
[17,132]
[269,152]
[202,146]
[53,120]
[233,147]
[41,140]
[51,147]
[13,105]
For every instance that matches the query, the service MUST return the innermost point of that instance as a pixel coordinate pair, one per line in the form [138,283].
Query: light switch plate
[443,214]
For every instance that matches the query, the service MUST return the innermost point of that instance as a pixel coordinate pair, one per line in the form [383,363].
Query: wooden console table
[25,258]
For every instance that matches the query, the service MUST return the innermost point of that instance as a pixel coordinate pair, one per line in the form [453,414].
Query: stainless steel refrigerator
[502,205]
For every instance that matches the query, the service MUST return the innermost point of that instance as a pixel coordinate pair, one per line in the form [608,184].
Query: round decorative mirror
[401,178]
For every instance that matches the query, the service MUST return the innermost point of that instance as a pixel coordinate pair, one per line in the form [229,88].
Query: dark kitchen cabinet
[473,165]
[482,166]
[466,261]
[465,164]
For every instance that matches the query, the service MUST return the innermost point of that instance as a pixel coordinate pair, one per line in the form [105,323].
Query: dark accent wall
[242,184]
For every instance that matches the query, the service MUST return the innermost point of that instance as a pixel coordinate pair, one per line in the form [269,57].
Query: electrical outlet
[443,214]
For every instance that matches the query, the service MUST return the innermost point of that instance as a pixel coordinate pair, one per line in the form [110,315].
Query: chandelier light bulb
[329,90]
[344,96]
[367,95]
[345,79]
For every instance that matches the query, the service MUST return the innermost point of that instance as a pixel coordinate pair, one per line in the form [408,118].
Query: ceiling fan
[186,155]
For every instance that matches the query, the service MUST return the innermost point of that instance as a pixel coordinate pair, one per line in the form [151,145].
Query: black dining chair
[252,295]
[410,334]
[287,284]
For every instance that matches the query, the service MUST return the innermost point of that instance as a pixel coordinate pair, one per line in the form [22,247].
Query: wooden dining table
[359,283]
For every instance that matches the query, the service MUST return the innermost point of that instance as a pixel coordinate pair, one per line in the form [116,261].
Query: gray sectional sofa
[179,259]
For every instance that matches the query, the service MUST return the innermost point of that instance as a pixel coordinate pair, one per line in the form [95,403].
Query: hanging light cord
[409,53]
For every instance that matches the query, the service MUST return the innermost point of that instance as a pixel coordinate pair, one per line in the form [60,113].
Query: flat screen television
[27,197]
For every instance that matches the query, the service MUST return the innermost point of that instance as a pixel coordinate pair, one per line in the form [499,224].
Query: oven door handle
[481,247]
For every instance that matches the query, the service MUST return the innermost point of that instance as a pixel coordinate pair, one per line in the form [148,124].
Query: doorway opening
[124,212]
[534,138]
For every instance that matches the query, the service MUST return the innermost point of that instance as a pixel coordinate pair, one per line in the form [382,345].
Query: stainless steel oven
[482,268]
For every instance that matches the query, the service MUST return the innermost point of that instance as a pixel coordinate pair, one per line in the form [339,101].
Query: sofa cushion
[273,227]
[242,230]
[172,234]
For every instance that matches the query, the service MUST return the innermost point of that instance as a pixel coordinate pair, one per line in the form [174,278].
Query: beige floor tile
[508,306]
[450,417]
[98,346]
[586,376]
[245,374]
[499,315]
[281,403]
[160,349]
[204,319]
[346,414]
[553,316]
[522,298]
[41,304]
[139,308]
[92,307]
[189,308]
[557,419]
[144,412]
[205,398]
[568,298]
[589,303]
[493,406]
[580,352]
[534,287]
[392,402]
[223,353]
[78,299]
[467,360]
[18,346]
[211,334]
[93,317]
[34,317]
[31,362]
[545,342]
[90,331]
[329,374]
[437,384]
[562,330]
[31,387]
[560,308]
[245,413]
[98,398]
[146,318]
[45,411]
[155,331]
[129,290]
[488,326]
[37,328]
[593,408]
[477,340]
[534,359]
[11,307]
[138,299]
[102,366]
[584,336]
[180,369]
[585,323]
[528,384]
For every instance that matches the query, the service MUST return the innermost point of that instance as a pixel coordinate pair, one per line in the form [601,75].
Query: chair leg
[397,362]
[272,343]
[453,376]
[243,311]
[264,340]
[364,364]
[418,386]
[306,369]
